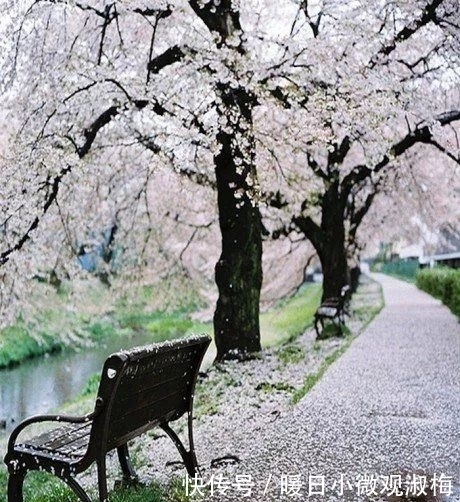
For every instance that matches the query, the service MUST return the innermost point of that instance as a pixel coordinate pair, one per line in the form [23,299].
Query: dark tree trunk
[329,240]
[238,277]
[333,251]
[239,269]
[333,259]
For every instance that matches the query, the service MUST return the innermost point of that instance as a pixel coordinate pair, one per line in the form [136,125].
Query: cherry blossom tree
[373,82]
[158,80]
[324,98]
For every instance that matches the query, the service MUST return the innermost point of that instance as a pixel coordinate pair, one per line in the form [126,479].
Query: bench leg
[77,489]
[319,322]
[15,483]
[129,474]
[102,480]
[188,457]
[316,325]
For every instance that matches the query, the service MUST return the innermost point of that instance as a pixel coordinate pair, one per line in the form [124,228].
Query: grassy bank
[26,340]
[81,319]
[291,317]
[62,329]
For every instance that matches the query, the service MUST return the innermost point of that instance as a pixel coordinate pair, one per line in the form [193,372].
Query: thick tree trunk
[238,276]
[329,240]
[239,269]
[332,251]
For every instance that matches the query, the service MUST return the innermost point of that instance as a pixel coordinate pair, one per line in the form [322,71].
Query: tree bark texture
[238,272]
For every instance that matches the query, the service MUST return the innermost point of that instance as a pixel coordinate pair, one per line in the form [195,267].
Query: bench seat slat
[70,440]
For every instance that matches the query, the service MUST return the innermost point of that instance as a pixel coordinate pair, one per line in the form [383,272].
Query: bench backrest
[143,387]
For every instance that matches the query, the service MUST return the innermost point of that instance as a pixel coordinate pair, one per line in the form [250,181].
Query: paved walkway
[390,405]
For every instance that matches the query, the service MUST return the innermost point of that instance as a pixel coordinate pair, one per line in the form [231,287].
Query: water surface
[43,384]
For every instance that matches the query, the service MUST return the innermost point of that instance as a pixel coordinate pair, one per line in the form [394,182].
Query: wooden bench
[139,389]
[334,309]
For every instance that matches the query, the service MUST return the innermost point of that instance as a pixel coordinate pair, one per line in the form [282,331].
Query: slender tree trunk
[238,272]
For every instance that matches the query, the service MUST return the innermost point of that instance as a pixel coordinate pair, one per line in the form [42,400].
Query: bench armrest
[54,418]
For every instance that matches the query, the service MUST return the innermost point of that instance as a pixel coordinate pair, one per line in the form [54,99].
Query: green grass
[63,329]
[290,353]
[84,311]
[283,323]
[23,341]
[16,345]
[168,324]
[268,387]
[291,317]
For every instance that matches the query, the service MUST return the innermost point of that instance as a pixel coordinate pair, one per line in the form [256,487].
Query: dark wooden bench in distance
[139,389]
[333,309]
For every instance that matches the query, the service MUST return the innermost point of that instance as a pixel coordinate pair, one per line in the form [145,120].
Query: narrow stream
[43,384]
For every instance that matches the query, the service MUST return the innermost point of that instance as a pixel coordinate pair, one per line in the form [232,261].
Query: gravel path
[389,406]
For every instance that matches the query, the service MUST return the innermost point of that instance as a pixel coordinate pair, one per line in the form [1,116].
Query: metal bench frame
[334,309]
[139,389]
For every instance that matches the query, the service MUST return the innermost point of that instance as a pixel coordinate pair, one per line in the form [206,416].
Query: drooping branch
[90,135]
[200,178]
[107,116]
[310,229]
[421,134]
[104,118]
